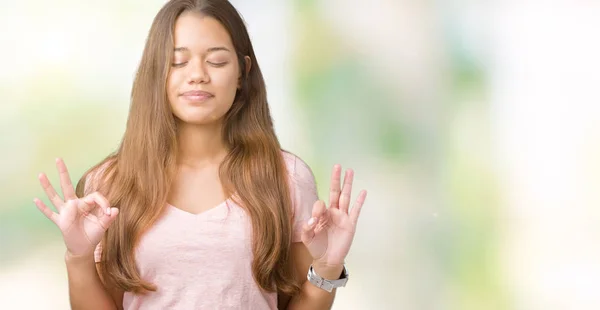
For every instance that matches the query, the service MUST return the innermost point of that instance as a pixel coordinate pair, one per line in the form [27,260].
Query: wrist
[328,271]
[78,258]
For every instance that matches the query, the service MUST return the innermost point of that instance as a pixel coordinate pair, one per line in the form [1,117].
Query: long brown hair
[137,176]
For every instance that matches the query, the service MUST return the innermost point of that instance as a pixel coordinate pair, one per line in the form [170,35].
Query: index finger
[65,180]
[96,199]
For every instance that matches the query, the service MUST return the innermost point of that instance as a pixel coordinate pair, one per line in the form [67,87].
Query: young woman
[199,208]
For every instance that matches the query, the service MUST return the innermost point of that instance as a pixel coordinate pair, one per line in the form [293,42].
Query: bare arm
[311,297]
[326,239]
[86,290]
[82,222]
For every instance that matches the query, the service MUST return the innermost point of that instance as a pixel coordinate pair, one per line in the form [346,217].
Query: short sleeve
[303,191]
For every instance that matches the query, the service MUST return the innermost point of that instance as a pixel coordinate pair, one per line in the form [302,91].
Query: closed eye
[177,65]
[217,64]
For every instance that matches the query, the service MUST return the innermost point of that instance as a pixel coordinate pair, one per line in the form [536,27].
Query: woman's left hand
[329,232]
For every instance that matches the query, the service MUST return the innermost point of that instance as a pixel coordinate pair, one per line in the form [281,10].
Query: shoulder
[302,182]
[298,169]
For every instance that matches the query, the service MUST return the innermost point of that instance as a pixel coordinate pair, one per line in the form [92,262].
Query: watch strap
[325,284]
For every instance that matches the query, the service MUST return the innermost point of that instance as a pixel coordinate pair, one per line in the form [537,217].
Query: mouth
[196,95]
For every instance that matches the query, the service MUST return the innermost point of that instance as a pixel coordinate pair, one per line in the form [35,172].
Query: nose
[198,73]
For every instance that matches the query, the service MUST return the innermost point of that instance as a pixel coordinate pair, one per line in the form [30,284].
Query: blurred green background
[474,125]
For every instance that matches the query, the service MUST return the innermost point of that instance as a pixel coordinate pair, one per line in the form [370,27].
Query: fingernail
[311,221]
[107,211]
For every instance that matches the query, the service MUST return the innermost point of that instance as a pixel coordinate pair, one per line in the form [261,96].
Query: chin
[200,120]
[200,115]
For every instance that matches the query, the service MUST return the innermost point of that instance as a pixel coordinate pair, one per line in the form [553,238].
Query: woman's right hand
[82,221]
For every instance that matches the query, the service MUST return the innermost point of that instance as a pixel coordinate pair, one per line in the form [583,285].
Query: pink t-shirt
[203,261]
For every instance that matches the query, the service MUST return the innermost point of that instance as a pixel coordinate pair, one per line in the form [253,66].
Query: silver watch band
[327,285]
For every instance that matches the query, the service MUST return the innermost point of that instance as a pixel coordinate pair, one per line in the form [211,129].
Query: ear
[248,64]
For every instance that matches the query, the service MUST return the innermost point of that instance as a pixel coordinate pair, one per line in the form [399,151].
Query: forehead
[198,32]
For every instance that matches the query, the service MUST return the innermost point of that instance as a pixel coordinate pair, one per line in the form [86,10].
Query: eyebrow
[212,49]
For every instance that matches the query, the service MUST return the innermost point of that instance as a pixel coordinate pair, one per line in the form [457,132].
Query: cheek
[227,83]
[173,82]
[225,79]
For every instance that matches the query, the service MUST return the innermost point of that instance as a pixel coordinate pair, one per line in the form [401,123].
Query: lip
[196,95]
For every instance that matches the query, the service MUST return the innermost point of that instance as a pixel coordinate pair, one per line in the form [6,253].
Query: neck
[200,145]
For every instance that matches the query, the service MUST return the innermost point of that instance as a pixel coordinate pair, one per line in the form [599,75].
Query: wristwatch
[325,284]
